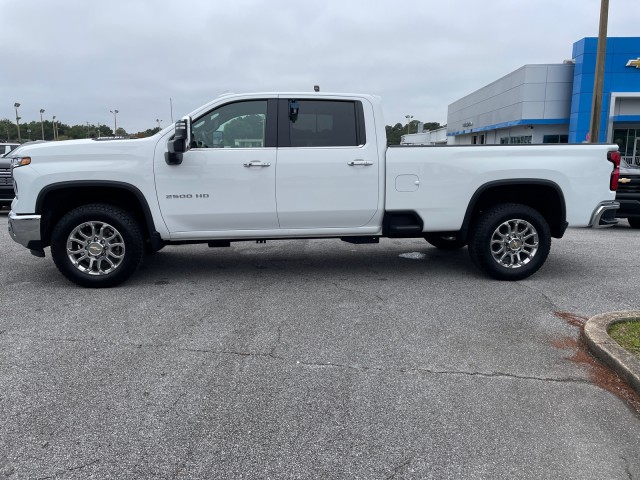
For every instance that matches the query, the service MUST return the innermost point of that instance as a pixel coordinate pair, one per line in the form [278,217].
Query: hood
[86,147]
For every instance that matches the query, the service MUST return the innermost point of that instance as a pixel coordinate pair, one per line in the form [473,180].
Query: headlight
[20,161]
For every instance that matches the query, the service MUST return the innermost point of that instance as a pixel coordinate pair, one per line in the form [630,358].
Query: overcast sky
[79,59]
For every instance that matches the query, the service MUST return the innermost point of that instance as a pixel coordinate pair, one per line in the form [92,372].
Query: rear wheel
[445,242]
[634,222]
[97,245]
[510,241]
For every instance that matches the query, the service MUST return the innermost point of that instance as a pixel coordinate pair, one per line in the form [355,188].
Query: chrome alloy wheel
[514,243]
[95,248]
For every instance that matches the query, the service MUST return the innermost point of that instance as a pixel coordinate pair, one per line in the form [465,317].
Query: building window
[520,140]
[555,139]
[504,140]
[628,140]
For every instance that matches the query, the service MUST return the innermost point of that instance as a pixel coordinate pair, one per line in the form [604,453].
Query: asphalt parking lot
[314,359]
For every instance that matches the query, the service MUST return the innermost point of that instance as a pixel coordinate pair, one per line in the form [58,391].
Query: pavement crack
[553,304]
[336,285]
[318,364]
[363,368]
[222,352]
[70,469]
[335,365]
[277,342]
[627,467]
[79,467]
[399,469]
[498,375]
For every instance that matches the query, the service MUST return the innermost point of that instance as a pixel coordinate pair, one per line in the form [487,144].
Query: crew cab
[273,166]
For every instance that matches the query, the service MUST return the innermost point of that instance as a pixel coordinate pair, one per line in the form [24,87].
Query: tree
[147,133]
[394,134]
[8,130]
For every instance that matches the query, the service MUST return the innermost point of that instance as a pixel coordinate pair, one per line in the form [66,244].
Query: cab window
[234,125]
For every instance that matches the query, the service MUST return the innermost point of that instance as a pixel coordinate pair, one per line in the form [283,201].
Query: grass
[627,334]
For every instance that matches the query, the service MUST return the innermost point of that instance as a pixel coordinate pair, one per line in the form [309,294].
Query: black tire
[106,260]
[445,242]
[507,253]
[634,222]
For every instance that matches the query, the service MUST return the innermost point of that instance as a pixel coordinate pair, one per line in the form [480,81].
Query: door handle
[353,163]
[256,163]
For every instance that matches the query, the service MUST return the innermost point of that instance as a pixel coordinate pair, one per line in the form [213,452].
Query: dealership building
[552,103]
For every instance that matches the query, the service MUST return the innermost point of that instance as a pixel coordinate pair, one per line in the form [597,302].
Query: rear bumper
[629,207]
[604,214]
[25,229]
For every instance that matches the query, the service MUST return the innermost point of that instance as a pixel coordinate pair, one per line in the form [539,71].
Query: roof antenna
[316,88]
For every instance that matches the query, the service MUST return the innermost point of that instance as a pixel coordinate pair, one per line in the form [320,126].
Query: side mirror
[178,144]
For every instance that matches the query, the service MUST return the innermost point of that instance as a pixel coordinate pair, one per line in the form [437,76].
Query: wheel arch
[545,196]
[59,198]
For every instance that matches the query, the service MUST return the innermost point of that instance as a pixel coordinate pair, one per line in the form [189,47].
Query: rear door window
[322,123]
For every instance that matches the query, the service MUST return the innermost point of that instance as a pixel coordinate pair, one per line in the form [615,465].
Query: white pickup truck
[300,165]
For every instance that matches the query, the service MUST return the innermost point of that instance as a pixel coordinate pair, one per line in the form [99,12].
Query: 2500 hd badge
[188,195]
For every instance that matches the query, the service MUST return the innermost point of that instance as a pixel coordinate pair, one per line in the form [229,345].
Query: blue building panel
[627,45]
[619,78]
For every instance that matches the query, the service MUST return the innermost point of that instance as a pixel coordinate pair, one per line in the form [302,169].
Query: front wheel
[97,245]
[510,241]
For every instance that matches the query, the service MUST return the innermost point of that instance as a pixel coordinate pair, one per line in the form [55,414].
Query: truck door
[328,173]
[226,180]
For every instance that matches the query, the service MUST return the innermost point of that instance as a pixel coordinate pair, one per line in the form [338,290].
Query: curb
[626,364]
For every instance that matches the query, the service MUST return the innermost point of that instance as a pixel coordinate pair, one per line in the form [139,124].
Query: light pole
[88,131]
[409,118]
[115,121]
[42,122]
[16,105]
[159,123]
[55,134]
[28,134]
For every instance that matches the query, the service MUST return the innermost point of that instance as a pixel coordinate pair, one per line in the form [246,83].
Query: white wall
[432,137]
[492,137]
[533,92]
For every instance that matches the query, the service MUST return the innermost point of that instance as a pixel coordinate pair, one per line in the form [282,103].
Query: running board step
[360,240]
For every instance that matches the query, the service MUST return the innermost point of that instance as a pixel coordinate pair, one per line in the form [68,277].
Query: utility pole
[596,104]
